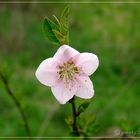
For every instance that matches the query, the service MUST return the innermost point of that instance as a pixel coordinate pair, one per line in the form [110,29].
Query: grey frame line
[70,2]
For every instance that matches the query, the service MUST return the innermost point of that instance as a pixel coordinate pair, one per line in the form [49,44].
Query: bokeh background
[111,31]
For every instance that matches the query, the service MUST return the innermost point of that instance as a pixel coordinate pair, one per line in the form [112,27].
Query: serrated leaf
[48,27]
[83,107]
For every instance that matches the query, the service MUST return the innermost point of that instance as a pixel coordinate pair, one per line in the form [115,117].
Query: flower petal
[88,62]
[47,72]
[85,88]
[63,92]
[64,53]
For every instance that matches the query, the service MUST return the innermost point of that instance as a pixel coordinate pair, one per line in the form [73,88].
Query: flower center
[67,71]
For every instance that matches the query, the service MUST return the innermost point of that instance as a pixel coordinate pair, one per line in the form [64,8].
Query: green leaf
[48,27]
[64,20]
[57,20]
[83,107]
[60,37]
[64,23]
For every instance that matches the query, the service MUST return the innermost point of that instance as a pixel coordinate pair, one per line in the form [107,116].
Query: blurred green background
[111,31]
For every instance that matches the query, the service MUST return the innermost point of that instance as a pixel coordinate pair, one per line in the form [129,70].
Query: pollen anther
[67,71]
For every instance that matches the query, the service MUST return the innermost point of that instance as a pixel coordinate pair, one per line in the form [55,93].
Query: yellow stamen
[67,71]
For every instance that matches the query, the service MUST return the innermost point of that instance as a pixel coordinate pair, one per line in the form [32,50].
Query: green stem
[17,103]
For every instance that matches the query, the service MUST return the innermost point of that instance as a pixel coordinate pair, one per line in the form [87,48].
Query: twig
[74,125]
[22,113]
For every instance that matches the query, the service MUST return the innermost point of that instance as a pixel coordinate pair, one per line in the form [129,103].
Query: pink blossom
[67,73]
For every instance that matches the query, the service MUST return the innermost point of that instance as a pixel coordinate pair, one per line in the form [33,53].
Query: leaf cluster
[57,32]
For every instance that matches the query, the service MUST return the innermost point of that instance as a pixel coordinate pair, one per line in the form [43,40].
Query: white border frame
[71,2]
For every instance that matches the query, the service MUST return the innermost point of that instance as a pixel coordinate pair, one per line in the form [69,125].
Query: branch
[74,125]
[17,103]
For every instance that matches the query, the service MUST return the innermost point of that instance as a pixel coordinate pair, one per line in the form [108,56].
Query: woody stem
[74,125]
